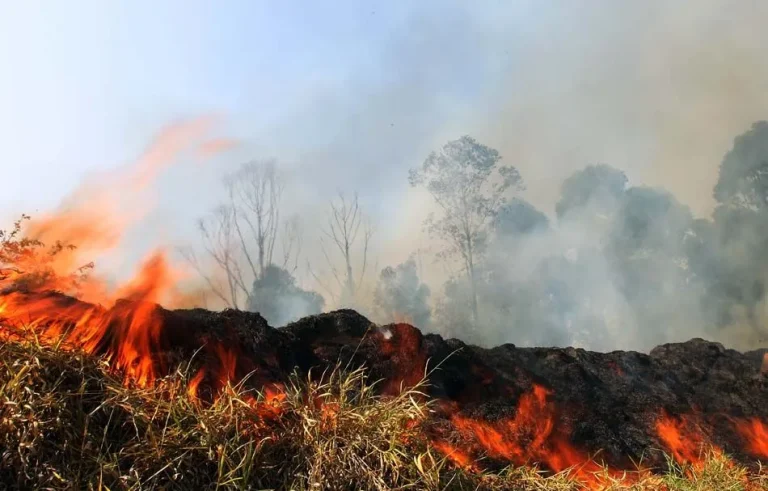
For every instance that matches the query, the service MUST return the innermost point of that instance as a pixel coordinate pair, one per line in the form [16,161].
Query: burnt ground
[605,404]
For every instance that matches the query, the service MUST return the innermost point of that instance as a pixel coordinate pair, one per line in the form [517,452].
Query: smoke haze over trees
[642,219]
[618,265]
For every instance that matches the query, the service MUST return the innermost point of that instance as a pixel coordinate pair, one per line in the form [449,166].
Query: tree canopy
[469,185]
[400,294]
[279,300]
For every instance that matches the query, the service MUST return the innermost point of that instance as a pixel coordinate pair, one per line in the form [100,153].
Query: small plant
[27,263]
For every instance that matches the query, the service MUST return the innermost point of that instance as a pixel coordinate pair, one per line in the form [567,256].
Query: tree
[518,217]
[652,220]
[346,231]
[217,231]
[469,185]
[743,179]
[596,189]
[453,311]
[279,300]
[400,292]
[240,236]
[648,247]
[741,230]
[255,191]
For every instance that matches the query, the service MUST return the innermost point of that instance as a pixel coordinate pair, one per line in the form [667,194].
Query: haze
[349,96]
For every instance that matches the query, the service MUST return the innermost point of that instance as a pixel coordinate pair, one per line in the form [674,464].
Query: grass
[66,423]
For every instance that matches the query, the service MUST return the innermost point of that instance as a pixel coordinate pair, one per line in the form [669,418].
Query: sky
[351,94]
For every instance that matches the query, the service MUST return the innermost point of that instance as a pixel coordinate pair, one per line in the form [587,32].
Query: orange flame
[755,435]
[684,438]
[227,365]
[95,219]
[194,384]
[459,457]
[528,436]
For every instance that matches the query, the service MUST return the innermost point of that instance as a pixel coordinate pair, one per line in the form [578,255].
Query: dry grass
[65,423]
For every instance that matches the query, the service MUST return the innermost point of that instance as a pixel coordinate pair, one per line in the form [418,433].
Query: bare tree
[255,191]
[346,229]
[221,245]
[290,244]
[240,236]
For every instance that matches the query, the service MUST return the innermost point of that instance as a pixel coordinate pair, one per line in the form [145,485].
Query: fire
[125,326]
[227,364]
[459,457]
[403,343]
[755,435]
[121,324]
[128,334]
[684,438]
[530,435]
[194,384]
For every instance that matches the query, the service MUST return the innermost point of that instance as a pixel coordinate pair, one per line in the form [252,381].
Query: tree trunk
[473,282]
[350,278]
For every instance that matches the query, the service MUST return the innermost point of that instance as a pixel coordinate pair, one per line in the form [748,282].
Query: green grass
[66,423]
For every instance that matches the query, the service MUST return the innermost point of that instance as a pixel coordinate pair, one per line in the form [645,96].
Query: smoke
[653,89]
[656,89]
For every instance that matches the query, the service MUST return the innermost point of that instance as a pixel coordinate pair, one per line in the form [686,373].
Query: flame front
[755,435]
[684,438]
[127,334]
[530,436]
[121,323]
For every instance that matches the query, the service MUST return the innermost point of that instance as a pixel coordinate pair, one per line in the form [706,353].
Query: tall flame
[94,219]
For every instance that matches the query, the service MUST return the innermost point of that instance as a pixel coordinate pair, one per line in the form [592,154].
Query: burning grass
[67,423]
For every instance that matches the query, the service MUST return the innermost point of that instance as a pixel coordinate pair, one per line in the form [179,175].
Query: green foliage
[651,220]
[743,180]
[469,186]
[518,217]
[739,236]
[279,300]
[399,292]
[596,188]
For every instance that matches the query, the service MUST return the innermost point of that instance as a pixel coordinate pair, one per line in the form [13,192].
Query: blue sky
[86,83]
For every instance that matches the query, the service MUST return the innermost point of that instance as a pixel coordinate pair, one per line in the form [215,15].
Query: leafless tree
[346,230]
[221,245]
[240,236]
[255,192]
[290,244]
